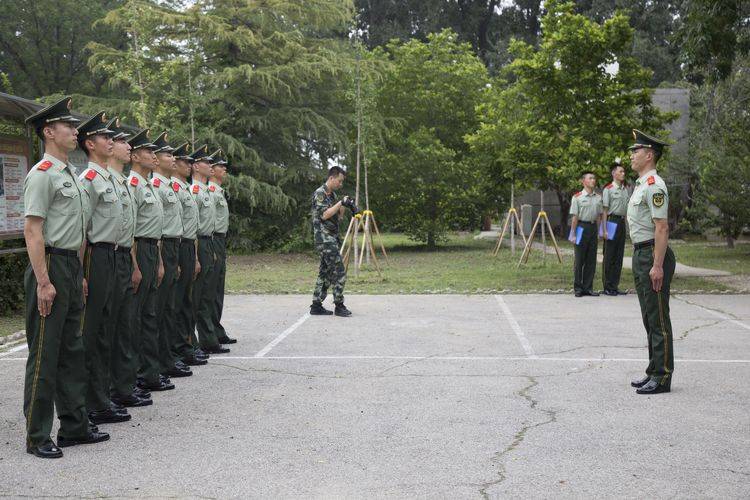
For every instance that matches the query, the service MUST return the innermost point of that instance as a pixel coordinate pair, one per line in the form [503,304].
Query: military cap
[183,152]
[201,154]
[218,158]
[140,140]
[645,141]
[162,146]
[96,125]
[120,133]
[58,112]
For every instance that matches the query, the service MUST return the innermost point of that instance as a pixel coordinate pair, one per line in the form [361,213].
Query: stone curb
[484,291]
[12,337]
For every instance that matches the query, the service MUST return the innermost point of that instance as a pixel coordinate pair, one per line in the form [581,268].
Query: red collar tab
[212,188]
[578,194]
[175,187]
[156,182]
[196,188]
[134,181]
[44,166]
[90,174]
[651,180]
[608,186]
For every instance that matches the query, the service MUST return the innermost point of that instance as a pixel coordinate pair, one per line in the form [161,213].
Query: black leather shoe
[93,427]
[318,310]
[93,437]
[342,311]
[591,293]
[158,386]
[46,450]
[164,378]
[579,294]
[177,373]
[653,387]
[199,353]
[107,416]
[640,382]
[194,361]
[131,401]
[611,293]
[217,350]
[227,340]
[141,393]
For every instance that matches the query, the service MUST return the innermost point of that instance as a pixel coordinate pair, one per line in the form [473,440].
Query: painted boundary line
[281,337]
[715,313]
[13,349]
[516,327]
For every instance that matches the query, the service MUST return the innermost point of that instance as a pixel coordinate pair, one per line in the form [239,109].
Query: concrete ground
[425,396]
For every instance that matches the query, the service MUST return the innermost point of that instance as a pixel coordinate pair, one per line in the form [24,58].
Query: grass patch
[462,265]
[11,324]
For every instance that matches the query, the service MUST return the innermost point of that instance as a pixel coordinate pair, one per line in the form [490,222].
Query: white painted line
[13,349]
[535,359]
[717,314]
[281,337]
[516,328]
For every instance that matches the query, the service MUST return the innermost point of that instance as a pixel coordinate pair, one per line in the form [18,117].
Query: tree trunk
[431,240]
[564,208]
[730,242]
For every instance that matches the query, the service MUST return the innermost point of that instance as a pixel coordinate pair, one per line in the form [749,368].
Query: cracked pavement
[418,396]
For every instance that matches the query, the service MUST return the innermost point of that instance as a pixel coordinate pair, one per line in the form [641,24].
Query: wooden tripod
[365,222]
[511,219]
[544,225]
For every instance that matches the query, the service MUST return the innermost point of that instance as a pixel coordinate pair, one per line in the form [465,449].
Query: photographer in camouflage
[326,213]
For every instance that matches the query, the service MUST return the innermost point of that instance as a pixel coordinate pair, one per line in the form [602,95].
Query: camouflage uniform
[332,272]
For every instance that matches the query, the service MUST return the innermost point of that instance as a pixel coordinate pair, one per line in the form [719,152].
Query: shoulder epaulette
[134,181]
[156,182]
[212,188]
[90,174]
[196,188]
[175,187]
[577,194]
[651,180]
[44,166]
[608,186]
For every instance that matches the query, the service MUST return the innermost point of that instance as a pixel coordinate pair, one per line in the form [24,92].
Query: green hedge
[12,267]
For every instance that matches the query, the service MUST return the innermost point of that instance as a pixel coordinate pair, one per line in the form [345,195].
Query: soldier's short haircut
[335,171]
[587,172]
[657,155]
[614,168]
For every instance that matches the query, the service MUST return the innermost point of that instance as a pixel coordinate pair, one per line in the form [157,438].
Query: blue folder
[579,234]
[611,230]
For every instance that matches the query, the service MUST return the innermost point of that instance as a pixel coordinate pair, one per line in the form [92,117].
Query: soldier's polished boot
[640,382]
[654,387]
[317,309]
[342,311]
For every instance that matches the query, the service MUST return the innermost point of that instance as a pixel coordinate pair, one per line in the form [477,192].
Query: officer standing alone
[586,209]
[615,201]
[55,209]
[653,261]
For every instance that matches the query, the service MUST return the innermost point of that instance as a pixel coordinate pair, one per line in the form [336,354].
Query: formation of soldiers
[646,211]
[123,270]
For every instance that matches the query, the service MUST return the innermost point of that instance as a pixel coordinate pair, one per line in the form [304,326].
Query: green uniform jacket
[615,199]
[587,207]
[150,215]
[189,209]
[127,199]
[52,191]
[206,209]
[172,226]
[650,200]
[105,224]
[324,230]
[222,208]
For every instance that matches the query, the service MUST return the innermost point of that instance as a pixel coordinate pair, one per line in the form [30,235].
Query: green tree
[720,145]
[567,108]
[43,45]
[428,98]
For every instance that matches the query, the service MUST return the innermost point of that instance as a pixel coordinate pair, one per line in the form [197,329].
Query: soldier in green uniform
[326,212]
[122,382]
[105,226]
[653,261]
[203,294]
[185,343]
[170,247]
[615,201]
[220,243]
[148,229]
[56,212]
[586,209]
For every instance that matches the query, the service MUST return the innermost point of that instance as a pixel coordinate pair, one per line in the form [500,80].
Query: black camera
[348,202]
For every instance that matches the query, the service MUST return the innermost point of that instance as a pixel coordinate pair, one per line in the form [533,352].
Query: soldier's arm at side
[160,272]
[34,236]
[605,211]
[197,261]
[81,254]
[573,220]
[137,276]
[661,238]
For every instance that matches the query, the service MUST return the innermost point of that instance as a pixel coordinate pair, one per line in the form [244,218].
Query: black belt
[103,244]
[643,244]
[191,241]
[61,251]
[122,250]
[170,240]
[152,241]
[585,222]
[220,235]
[201,237]
[615,217]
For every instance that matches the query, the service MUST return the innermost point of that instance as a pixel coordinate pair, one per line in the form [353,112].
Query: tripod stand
[542,221]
